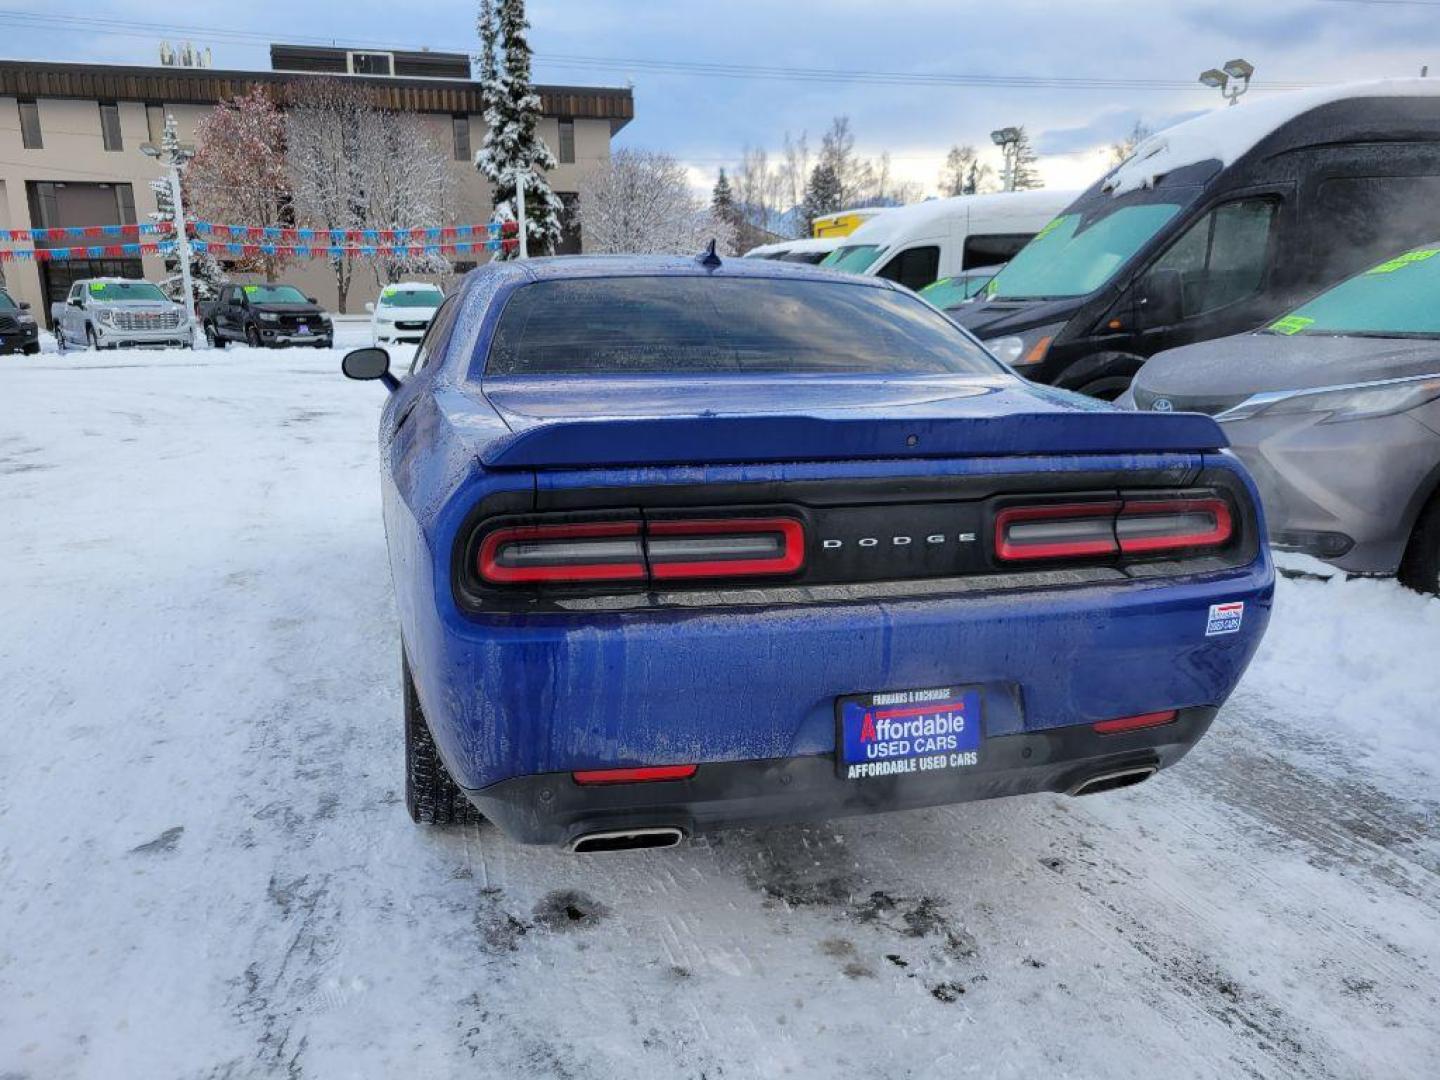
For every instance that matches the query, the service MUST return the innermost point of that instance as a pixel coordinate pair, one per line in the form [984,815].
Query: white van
[811,251]
[916,245]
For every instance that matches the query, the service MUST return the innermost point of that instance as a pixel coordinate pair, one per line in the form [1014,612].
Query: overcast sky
[705,119]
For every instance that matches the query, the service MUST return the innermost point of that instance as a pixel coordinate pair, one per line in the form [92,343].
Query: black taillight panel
[619,557]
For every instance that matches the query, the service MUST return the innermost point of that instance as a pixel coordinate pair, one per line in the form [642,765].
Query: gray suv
[106,313]
[1335,408]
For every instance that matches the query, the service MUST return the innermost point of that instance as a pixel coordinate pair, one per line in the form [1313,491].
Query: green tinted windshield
[1398,298]
[853,259]
[124,290]
[274,294]
[1066,259]
[947,292]
[426,298]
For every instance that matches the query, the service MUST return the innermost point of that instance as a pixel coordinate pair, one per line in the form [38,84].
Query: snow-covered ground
[206,870]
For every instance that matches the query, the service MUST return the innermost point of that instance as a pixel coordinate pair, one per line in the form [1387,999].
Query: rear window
[676,325]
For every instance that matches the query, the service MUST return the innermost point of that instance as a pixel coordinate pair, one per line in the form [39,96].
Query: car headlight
[1352,401]
[266,316]
[25,320]
[1027,348]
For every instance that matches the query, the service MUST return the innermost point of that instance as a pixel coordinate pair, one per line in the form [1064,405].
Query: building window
[30,126]
[110,126]
[461,123]
[125,203]
[372,63]
[155,123]
[567,142]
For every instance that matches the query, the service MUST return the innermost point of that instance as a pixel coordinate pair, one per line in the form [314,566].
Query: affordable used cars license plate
[908,731]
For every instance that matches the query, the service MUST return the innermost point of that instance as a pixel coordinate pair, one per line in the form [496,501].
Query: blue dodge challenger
[686,543]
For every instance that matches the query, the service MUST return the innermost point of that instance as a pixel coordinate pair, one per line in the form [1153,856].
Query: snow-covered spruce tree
[513,147]
[822,195]
[206,276]
[640,203]
[238,174]
[722,206]
[1026,176]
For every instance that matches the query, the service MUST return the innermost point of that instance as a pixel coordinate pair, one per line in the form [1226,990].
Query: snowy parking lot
[208,873]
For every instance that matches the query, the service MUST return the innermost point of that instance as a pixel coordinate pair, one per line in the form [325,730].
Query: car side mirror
[24,305]
[76,301]
[312,300]
[369,363]
[369,307]
[1161,298]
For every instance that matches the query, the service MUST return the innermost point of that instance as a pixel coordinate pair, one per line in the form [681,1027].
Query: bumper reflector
[645,775]
[1135,723]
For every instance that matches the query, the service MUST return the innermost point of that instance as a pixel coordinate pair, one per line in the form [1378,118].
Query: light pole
[1008,139]
[1232,80]
[174,158]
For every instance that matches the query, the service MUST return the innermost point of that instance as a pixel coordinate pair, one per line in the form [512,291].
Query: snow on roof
[998,207]
[1228,134]
[815,243]
[413,286]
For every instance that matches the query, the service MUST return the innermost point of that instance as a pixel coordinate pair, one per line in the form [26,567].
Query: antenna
[708,258]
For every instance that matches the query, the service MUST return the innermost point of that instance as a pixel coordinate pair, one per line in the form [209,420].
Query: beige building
[70,138]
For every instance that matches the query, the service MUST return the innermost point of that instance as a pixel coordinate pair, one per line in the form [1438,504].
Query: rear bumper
[534,694]
[1345,492]
[552,809]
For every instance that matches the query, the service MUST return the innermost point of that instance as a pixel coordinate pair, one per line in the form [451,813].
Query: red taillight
[1095,529]
[597,551]
[648,774]
[1135,723]
[724,547]
[1057,531]
[1167,524]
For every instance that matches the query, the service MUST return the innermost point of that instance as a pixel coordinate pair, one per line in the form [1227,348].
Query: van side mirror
[1161,298]
[371,363]
[369,307]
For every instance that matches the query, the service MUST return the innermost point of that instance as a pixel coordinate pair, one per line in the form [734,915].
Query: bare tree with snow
[410,186]
[640,203]
[327,157]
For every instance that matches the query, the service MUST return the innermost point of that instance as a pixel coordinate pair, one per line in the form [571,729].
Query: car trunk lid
[567,422]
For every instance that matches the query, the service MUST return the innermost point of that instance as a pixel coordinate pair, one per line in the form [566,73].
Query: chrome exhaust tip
[625,840]
[1114,779]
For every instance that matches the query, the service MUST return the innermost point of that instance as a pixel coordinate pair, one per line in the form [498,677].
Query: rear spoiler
[715,440]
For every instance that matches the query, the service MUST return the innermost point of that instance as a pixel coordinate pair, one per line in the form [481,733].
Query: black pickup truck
[18,332]
[271,316]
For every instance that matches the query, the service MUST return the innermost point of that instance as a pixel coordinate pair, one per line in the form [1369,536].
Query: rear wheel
[431,796]
[1420,568]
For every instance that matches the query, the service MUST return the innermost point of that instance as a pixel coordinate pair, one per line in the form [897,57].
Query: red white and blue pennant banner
[87,232]
[104,251]
[449,234]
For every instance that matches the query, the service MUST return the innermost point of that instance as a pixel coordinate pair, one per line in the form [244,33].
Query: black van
[1174,246]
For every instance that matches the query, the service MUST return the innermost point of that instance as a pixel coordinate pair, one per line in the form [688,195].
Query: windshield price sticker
[390,291]
[1402,261]
[97,287]
[1291,324]
[910,731]
[251,290]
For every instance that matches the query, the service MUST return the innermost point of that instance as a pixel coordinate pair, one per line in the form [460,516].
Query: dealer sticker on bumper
[908,731]
[1225,618]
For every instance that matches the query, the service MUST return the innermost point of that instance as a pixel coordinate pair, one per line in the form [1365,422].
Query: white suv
[403,312]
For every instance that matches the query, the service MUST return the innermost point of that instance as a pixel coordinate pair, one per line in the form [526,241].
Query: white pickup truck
[107,313]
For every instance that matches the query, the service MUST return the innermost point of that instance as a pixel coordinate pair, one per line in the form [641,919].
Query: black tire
[431,796]
[1107,388]
[212,337]
[252,337]
[1420,568]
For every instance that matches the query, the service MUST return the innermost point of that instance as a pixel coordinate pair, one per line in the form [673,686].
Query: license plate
[302,329]
[908,731]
